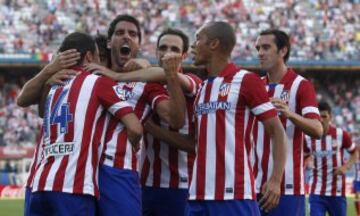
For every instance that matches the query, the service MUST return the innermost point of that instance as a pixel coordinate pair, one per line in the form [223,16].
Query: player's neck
[215,66]
[276,73]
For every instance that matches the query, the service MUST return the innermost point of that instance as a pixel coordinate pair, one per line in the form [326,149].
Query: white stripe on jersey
[309,109]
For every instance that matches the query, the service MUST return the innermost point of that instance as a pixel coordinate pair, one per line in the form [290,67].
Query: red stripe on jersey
[298,160]
[69,136]
[201,158]
[315,175]
[220,149]
[97,137]
[145,169]
[120,148]
[84,150]
[108,134]
[255,136]
[35,162]
[174,174]
[324,168]
[239,152]
[157,163]
[45,173]
[343,176]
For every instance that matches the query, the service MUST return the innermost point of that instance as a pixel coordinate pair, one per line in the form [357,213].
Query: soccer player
[295,100]
[327,181]
[356,182]
[118,175]
[65,179]
[222,180]
[165,170]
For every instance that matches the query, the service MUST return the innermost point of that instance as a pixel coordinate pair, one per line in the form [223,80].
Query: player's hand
[270,195]
[64,60]
[149,124]
[171,62]
[281,106]
[134,140]
[60,77]
[340,170]
[136,64]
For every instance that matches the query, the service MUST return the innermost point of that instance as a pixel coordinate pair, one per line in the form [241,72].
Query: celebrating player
[222,181]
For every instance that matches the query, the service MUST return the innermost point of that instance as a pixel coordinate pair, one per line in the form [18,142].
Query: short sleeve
[307,100]
[347,142]
[195,83]
[155,93]
[111,97]
[256,97]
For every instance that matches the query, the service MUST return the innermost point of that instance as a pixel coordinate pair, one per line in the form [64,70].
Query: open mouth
[125,50]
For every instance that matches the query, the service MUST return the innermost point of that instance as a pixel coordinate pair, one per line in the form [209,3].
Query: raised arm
[173,110]
[31,92]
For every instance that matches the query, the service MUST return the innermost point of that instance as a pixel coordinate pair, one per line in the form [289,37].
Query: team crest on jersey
[224,89]
[123,94]
[285,96]
[130,85]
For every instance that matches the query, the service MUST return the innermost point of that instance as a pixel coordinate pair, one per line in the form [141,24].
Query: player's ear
[184,55]
[108,44]
[89,57]
[214,44]
[283,51]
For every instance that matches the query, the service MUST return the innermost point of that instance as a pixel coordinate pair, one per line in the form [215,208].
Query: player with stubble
[295,100]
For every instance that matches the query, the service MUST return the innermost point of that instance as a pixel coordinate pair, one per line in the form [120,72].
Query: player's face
[268,53]
[325,118]
[124,43]
[169,44]
[200,48]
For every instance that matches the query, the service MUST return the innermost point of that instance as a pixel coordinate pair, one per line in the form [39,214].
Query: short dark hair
[126,18]
[324,106]
[104,52]
[281,40]
[223,32]
[177,32]
[82,42]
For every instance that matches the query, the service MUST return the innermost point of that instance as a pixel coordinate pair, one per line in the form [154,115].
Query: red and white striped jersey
[67,157]
[357,171]
[328,154]
[224,110]
[164,166]
[300,96]
[34,162]
[143,97]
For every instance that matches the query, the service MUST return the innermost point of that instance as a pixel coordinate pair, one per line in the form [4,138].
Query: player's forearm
[279,149]
[152,74]
[311,127]
[44,94]
[173,139]
[177,104]
[133,127]
[31,92]
[353,157]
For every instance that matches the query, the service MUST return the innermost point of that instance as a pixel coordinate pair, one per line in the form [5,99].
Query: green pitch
[15,207]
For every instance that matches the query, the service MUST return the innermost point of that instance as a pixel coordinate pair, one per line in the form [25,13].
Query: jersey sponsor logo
[325,153]
[59,149]
[225,89]
[123,94]
[211,107]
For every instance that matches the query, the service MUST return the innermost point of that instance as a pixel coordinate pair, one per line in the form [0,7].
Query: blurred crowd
[18,126]
[319,29]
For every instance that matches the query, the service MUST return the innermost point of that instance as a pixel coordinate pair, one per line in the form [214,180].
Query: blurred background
[325,37]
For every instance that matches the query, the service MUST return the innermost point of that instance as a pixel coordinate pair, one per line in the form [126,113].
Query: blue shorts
[293,205]
[223,207]
[120,192]
[356,186]
[49,203]
[27,201]
[334,205]
[164,201]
